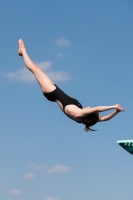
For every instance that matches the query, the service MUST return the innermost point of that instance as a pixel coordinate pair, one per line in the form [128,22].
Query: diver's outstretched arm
[86,111]
[108,117]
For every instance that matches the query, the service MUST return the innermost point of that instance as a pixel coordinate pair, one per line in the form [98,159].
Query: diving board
[127,145]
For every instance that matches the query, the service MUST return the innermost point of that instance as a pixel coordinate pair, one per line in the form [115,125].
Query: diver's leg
[44,81]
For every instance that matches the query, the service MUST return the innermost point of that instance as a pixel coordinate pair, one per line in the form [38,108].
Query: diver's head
[90,120]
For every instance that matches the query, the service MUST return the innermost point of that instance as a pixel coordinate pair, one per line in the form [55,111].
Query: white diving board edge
[127,145]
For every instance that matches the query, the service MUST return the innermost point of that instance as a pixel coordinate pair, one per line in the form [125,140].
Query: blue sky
[86,47]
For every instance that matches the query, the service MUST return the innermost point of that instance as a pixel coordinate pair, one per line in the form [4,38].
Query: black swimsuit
[59,95]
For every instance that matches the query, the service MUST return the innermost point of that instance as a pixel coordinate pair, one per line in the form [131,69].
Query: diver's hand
[119,108]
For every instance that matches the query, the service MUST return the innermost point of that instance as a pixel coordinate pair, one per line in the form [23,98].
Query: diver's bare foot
[21,47]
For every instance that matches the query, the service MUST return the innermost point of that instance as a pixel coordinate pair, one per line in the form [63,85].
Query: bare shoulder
[87,111]
[73,111]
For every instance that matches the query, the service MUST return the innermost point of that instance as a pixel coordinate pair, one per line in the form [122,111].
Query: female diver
[70,106]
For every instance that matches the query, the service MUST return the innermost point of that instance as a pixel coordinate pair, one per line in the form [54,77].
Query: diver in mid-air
[70,106]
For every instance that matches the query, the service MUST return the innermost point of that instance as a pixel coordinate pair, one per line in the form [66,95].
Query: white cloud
[51,198]
[59,76]
[29,176]
[60,54]
[15,192]
[62,42]
[25,75]
[59,169]
[39,167]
